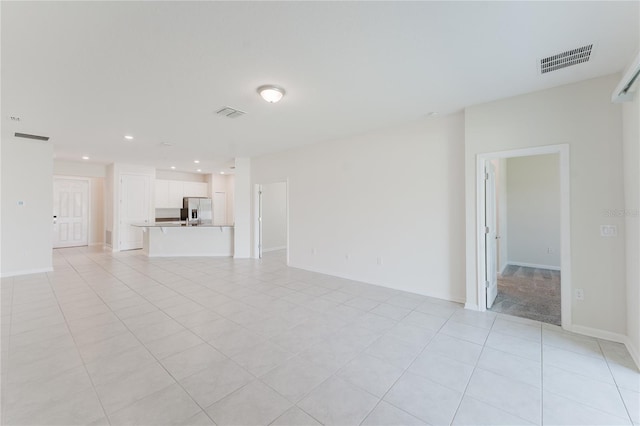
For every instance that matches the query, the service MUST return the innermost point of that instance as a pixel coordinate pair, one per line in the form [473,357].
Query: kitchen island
[177,239]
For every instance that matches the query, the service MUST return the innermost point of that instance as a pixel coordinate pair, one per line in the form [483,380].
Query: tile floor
[121,339]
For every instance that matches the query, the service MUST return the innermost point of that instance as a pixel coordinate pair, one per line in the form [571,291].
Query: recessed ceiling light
[199,170]
[173,167]
[84,157]
[271,93]
[221,173]
[196,161]
[128,137]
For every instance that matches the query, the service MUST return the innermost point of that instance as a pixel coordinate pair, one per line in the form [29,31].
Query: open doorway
[272,220]
[523,215]
[523,240]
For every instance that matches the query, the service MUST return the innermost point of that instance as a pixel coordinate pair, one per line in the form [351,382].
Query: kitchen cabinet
[195,189]
[162,193]
[169,193]
[175,190]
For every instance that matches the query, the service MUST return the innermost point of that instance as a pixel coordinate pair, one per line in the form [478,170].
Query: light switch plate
[608,231]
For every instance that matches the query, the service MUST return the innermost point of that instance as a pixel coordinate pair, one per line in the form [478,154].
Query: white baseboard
[471,306]
[191,255]
[98,244]
[533,265]
[267,250]
[599,334]
[608,335]
[25,272]
[633,351]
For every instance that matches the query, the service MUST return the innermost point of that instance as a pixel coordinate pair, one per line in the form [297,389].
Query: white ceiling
[87,73]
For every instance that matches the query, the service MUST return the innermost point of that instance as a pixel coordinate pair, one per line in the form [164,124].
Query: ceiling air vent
[28,136]
[230,112]
[565,59]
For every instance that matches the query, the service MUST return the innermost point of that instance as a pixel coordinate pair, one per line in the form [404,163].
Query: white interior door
[219,208]
[491,229]
[70,212]
[134,208]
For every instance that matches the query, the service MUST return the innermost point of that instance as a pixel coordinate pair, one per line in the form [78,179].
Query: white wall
[631,150]
[242,208]
[533,211]
[96,174]
[582,116]
[27,176]
[274,216]
[394,194]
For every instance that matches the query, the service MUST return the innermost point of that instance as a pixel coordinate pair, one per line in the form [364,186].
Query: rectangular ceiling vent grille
[566,59]
[28,136]
[230,112]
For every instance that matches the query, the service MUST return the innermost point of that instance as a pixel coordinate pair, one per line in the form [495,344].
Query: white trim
[264,250]
[633,351]
[598,334]
[99,243]
[257,229]
[471,306]
[565,224]
[532,265]
[26,272]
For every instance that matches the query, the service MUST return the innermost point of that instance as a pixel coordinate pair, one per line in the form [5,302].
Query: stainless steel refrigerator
[197,210]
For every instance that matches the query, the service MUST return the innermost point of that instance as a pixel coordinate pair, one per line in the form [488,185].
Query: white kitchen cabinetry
[169,193]
[162,193]
[175,189]
[195,189]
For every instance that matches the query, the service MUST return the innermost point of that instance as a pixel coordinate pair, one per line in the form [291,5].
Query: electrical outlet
[313,250]
[608,231]
[549,250]
[380,260]
[579,294]
[346,257]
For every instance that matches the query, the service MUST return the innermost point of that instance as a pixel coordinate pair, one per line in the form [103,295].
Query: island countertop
[178,224]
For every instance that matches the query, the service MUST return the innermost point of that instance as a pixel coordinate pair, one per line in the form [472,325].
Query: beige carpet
[529,293]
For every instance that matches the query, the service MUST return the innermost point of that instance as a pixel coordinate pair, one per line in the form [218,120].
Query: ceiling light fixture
[221,173]
[199,170]
[84,157]
[128,137]
[196,161]
[271,93]
[173,167]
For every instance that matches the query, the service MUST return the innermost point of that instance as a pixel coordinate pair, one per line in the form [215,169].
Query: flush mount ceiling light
[128,137]
[173,167]
[196,161]
[271,93]
[84,157]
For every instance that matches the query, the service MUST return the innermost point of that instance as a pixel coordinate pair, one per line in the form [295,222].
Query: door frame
[257,225]
[565,224]
[490,172]
[88,181]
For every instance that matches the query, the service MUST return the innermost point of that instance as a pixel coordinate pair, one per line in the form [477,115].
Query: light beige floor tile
[254,404]
[215,382]
[336,402]
[422,398]
[295,417]
[169,406]
[386,414]
[296,377]
[476,413]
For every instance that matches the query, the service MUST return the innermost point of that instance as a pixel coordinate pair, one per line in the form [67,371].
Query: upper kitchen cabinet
[195,189]
[169,193]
